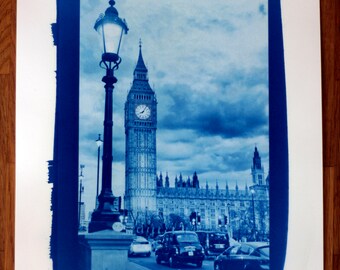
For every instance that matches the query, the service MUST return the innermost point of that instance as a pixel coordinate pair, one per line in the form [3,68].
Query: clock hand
[144,109]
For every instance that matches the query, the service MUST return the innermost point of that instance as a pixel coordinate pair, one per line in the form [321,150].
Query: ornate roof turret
[167,184]
[188,182]
[257,170]
[176,181]
[256,160]
[226,188]
[195,182]
[160,180]
[180,182]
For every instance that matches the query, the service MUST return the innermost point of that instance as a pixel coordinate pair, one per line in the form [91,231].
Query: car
[140,246]
[156,242]
[179,247]
[213,242]
[244,256]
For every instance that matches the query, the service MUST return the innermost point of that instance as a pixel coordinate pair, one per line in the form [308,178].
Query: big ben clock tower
[140,132]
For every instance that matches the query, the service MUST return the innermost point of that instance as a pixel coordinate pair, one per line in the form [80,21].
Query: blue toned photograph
[173,153]
[186,128]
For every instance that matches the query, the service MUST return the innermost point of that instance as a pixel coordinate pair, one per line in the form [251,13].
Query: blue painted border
[278,140]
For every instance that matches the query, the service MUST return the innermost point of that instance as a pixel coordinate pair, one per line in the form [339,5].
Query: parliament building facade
[152,199]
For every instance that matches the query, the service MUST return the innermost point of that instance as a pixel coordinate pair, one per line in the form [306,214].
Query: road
[150,263]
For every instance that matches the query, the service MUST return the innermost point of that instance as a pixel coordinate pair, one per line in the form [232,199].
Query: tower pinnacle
[141,71]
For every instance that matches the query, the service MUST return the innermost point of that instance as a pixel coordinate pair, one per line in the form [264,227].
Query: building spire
[256,159]
[141,71]
[167,183]
[257,169]
[160,179]
[195,182]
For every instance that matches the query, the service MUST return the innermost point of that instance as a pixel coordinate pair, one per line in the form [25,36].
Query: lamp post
[111,29]
[253,203]
[99,143]
[81,190]
[229,224]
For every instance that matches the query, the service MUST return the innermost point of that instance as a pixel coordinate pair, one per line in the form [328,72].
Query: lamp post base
[105,215]
[103,221]
[104,250]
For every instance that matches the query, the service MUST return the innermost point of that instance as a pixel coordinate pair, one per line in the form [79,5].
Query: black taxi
[213,242]
[180,247]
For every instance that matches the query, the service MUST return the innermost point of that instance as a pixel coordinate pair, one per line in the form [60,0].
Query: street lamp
[81,190]
[252,199]
[99,143]
[111,29]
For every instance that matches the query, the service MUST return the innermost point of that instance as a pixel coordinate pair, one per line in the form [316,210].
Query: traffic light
[198,218]
[219,222]
[225,220]
[193,217]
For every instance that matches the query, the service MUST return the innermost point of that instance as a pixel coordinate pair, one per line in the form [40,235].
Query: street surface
[150,263]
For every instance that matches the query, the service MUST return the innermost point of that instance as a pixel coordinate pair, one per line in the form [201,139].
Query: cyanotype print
[173,135]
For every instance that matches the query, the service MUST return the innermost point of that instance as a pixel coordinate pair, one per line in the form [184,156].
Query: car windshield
[263,251]
[141,242]
[186,238]
[218,238]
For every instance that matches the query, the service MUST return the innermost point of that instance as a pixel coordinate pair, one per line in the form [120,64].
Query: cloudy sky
[208,64]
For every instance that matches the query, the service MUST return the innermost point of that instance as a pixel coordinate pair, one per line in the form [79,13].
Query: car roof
[140,239]
[255,244]
[181,232]
[209,232]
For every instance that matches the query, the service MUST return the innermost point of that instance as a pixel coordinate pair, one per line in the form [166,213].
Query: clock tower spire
[257,170]
[141,72]
[140,143]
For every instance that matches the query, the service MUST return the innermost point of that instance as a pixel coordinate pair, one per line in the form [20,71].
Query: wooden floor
[330,42]
[7,132]
[330,28]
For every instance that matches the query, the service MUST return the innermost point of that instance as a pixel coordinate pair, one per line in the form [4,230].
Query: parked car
[214,243]
[180,247]
[140,246]
[244,256]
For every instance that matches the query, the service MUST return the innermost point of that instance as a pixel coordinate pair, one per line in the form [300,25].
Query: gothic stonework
[231,210]
[140,132]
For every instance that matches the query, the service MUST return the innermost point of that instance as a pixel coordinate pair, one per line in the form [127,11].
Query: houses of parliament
[220,207]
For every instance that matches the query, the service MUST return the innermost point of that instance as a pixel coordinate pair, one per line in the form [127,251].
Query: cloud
[236,111]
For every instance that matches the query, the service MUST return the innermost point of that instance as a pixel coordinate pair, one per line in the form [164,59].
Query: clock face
[143,111]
